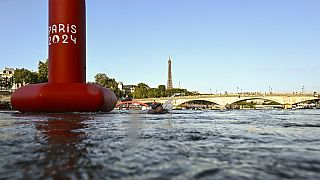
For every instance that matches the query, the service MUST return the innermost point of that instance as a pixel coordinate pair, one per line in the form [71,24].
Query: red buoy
[66,90]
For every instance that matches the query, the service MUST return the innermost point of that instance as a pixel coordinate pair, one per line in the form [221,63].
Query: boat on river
[155,111]
[157,108]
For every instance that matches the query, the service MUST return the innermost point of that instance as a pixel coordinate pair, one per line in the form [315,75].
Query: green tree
[153,92]
[104,81]
[25,76]
[101,79]
[43,71]
[32,77]
[141,91]
[162,90]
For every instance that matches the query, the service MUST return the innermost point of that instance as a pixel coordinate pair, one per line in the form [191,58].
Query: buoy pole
[66,90]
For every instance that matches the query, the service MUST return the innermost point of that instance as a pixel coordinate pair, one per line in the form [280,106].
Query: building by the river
[6,77]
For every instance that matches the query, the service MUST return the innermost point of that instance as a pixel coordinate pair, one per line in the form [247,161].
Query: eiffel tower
[169,83]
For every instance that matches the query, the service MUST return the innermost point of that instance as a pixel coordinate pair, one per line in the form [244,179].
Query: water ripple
[275,144]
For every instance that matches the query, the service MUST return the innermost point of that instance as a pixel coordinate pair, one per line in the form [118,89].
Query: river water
[235,144]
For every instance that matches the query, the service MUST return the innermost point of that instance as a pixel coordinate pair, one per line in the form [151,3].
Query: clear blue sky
[214,44]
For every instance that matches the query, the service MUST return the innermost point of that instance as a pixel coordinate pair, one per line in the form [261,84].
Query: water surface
[267,144]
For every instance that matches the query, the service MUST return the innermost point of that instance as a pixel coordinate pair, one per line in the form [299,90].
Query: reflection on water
[56,145]
[182,145]
[63,151]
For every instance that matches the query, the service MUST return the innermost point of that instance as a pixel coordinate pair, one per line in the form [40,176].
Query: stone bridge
[287,100]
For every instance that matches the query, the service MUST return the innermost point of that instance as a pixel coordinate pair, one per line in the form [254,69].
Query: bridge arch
[311,99]
[179,103]
[255,98]
[199,100]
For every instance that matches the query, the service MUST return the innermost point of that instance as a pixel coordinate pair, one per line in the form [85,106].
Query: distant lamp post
[237,90]
[302,90]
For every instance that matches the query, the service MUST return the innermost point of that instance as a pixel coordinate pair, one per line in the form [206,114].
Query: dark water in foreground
[272,144]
